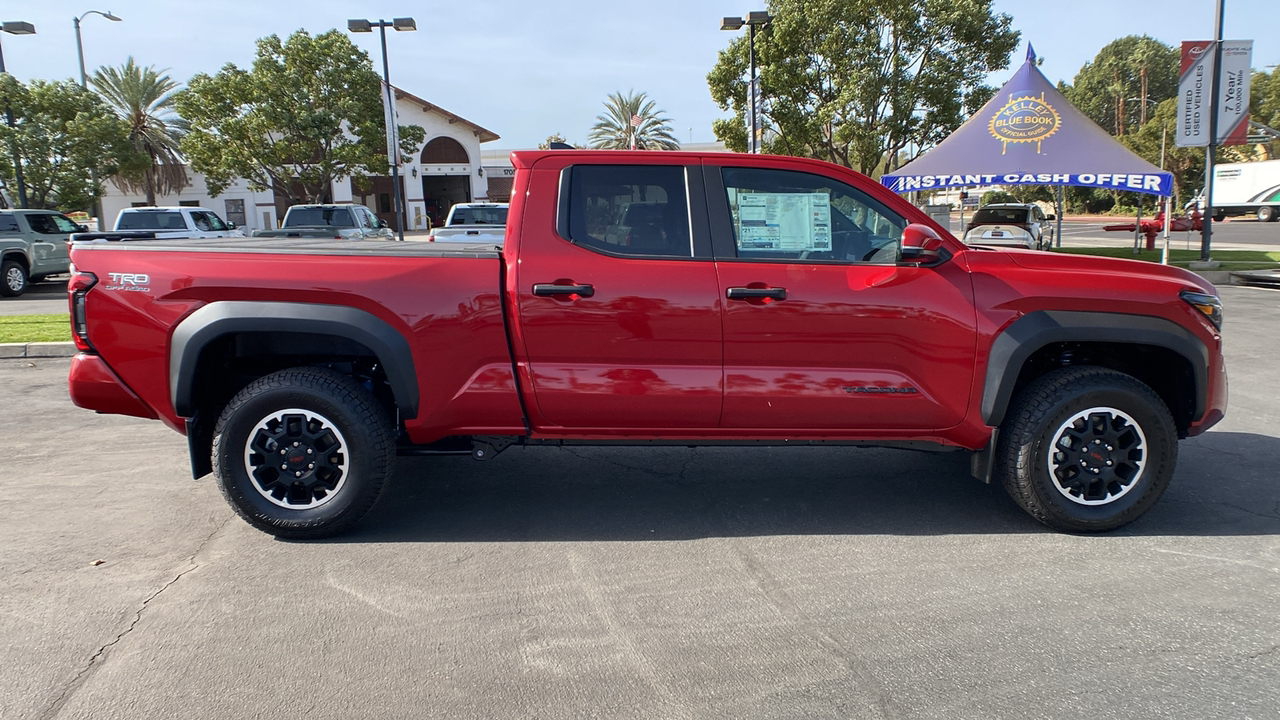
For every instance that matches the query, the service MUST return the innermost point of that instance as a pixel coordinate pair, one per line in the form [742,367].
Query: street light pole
[84,81]
[16,28]
[400,24]
[754,19]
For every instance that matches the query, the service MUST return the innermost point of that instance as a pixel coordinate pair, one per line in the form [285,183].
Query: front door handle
[751,293]
[551,290]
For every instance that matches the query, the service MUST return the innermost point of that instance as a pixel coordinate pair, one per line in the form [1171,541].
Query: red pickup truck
[653,298]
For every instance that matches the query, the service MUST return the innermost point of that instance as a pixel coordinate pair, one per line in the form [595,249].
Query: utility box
[941,214]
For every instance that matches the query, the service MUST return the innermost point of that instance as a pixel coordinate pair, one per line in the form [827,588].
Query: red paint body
[658,352]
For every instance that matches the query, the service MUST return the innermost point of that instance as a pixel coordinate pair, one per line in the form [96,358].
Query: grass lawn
[35,328]
[1230,259]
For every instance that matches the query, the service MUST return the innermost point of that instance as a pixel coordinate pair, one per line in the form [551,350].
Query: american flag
[636,120]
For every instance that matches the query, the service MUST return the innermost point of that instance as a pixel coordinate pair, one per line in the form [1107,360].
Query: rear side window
[8,223]
[1000,215]
[640,210]
[52,224]
[171,220]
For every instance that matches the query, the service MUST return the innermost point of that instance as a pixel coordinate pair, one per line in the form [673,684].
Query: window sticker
[786,222]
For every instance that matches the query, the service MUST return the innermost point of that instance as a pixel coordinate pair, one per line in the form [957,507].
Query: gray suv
[33,244]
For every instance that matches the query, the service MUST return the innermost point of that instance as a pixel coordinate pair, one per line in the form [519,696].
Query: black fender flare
[1029,333]
[218,319]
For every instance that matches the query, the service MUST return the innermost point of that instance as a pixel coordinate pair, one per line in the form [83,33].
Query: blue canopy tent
[1028,134]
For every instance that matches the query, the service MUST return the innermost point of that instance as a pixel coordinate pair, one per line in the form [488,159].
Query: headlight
[1209,305]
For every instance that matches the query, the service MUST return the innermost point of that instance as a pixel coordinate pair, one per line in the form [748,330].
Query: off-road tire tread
[359,404]
[1015,452]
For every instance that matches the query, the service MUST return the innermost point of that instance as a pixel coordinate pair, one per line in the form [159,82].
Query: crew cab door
[618,307]
[824,328]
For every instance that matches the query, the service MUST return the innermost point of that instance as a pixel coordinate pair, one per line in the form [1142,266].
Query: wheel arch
[203,330]
[1162,354]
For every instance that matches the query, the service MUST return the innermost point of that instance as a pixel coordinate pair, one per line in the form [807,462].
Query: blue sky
[526,69]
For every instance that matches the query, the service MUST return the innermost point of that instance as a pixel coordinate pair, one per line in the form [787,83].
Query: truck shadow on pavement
[1224,486]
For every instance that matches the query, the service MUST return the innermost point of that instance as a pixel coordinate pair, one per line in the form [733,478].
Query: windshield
[479,216]
[327,216]
[995,215]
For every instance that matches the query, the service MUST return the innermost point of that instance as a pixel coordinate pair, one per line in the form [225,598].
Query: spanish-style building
[445,170]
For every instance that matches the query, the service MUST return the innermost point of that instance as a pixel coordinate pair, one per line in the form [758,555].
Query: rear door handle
[551,289]
[750,293]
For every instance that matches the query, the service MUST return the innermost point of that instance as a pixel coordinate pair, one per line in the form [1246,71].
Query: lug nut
[299,473]
[309,451]
[295,444]
[284,467]
[310,466]
[282,452]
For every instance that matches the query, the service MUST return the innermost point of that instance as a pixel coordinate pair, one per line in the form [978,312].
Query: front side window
[213,221]
[630,210]
[52,224]
[785,215]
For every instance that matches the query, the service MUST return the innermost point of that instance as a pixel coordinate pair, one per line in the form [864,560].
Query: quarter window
[783,215]
[638,210]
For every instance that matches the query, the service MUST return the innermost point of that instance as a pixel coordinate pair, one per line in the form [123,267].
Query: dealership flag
[390,116]
[1233,93]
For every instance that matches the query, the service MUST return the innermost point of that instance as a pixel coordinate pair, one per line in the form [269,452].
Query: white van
[176,222]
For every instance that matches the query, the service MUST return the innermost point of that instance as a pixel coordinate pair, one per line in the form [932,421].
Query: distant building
[445,170]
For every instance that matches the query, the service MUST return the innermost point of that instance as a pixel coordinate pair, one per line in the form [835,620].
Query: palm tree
[613,129]
[144,99]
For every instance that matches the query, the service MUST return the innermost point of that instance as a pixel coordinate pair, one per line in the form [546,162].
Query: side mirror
[921,244]
[1050,217]
[82,228]
[231,226]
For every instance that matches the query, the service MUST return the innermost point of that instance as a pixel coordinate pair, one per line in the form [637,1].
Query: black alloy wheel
[303,453]
[1086,449]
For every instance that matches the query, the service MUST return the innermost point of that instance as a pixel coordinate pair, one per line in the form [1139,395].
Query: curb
[37,350]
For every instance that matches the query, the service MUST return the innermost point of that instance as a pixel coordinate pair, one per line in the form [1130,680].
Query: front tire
[1087,449]
[1266,213]
[303,453]
[13,278]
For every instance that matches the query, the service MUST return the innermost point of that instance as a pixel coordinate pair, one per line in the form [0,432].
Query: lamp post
[400,25]
[16,28]
[84,81]
[753,20]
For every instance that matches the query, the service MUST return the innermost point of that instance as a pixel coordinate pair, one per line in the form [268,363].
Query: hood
[1035,260]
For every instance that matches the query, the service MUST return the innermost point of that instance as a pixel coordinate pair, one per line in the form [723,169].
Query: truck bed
[302,246]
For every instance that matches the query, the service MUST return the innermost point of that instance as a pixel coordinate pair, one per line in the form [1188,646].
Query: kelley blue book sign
[1233,93]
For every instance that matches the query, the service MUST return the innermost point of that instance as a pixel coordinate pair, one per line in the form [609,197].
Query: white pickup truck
[480,223]
[176,222]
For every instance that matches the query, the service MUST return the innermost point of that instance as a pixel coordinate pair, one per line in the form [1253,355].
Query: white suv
[1010,225]
[176,222]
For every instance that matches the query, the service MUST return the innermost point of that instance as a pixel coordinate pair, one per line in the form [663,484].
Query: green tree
[856,82]
[66,137]
[1185,163]
[144,99]
[613,129]
[308,113]
[1265,106]
[1110,89]
[554,137]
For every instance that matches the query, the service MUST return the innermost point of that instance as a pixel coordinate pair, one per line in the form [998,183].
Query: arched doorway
[446,176]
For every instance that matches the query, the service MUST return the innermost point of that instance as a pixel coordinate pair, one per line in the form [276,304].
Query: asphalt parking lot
[634,583]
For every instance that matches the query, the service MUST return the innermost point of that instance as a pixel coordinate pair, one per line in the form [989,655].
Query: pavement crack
[74,685]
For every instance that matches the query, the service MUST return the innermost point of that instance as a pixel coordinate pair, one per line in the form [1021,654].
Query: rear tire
[303,453]
[13,278]
[1087,449]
